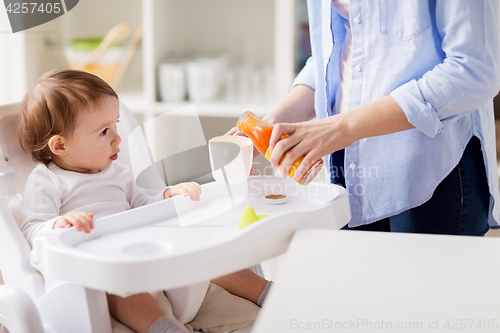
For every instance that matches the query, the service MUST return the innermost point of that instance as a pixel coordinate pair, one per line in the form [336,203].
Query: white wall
[13,79]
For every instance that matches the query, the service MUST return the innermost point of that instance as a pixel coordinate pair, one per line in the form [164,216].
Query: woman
[402,92]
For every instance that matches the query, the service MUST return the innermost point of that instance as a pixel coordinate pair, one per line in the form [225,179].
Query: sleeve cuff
[159,196]
[420,113]
[49,225]
[306,75]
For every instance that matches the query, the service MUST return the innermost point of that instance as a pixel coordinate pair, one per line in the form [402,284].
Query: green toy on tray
[248,217]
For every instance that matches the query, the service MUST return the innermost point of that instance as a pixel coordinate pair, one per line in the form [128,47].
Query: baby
[68,124]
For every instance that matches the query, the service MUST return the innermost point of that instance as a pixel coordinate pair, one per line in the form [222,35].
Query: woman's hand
[80,220]
[192,189]
[312,139]
[297,106]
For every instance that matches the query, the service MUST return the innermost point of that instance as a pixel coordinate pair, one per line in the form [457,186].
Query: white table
[355,281]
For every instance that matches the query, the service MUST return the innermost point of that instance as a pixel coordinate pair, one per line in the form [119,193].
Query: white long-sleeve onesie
[52,192]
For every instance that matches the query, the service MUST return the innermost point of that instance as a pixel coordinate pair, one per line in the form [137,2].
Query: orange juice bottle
[260,133]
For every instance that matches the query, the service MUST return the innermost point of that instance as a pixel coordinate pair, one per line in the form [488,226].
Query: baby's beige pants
[219,312]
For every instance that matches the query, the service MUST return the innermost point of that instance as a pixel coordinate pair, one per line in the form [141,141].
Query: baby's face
[95,142]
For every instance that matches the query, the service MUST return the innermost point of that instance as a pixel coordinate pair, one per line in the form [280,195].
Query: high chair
[30,303]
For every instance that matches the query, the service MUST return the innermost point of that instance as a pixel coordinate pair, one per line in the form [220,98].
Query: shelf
[135,101]
[138,104]
[216,109]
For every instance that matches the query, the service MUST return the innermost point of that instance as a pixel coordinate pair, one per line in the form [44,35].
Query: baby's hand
[192,189]
[80,220]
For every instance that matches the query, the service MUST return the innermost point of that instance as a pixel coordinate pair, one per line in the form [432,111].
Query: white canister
[172,79]
[205,78]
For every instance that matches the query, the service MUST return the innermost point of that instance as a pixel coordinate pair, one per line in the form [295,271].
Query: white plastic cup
[230,158]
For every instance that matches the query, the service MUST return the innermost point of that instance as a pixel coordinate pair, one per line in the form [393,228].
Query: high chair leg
[18,313]
[67,307]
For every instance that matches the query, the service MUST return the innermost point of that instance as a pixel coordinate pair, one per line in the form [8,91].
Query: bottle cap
[275,199]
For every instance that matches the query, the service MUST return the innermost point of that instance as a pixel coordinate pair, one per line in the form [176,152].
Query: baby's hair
[51,108]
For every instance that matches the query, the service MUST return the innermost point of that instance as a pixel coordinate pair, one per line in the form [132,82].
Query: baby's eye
[104,132]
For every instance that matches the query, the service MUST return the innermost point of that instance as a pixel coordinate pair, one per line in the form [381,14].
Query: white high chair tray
[146,249]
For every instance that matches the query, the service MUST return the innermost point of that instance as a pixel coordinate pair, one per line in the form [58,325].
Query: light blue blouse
[439,59]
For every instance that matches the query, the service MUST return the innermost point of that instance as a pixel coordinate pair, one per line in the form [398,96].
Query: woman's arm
[318,138]
[468,76]
[299,104]
[296,107]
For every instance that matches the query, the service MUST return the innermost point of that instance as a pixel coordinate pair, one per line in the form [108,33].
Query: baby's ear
[56,145]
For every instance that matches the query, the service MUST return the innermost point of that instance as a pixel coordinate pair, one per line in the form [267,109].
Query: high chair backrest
[12,155]
[15,167]
[134,152]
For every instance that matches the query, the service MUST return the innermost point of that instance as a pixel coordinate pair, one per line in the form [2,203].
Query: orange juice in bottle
[260,133]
